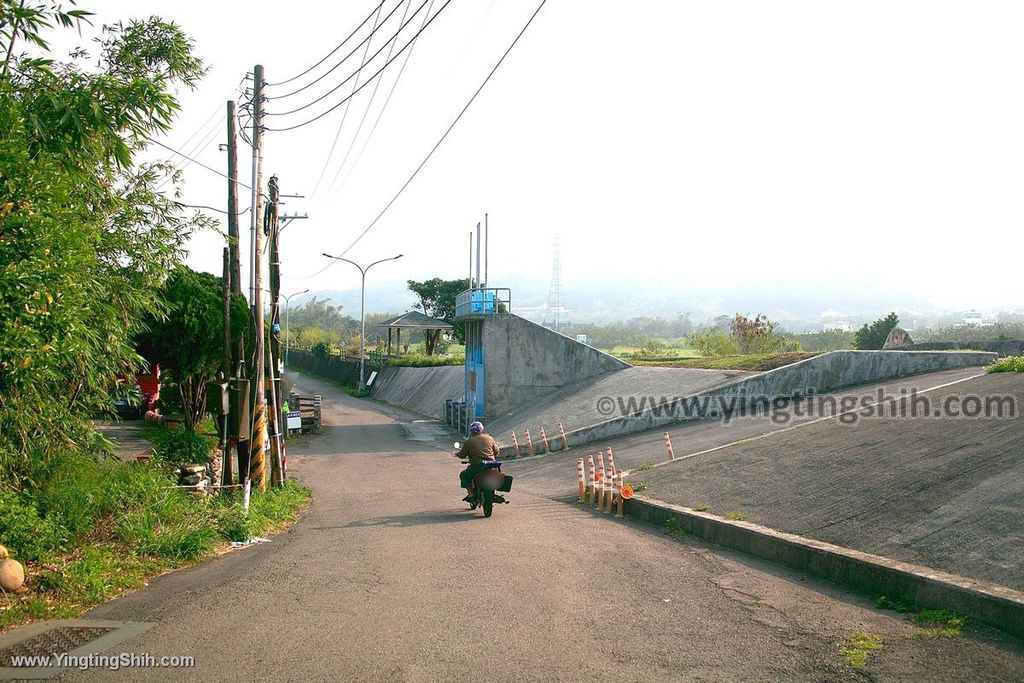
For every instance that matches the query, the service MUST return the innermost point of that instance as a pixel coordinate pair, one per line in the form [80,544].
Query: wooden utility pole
[225,441]
[233,276]
[276,432]
[257,472]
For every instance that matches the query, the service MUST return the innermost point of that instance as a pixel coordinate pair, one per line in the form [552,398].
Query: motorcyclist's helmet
[476,428]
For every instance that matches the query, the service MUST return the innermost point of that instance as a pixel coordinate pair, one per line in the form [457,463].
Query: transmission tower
[554,309]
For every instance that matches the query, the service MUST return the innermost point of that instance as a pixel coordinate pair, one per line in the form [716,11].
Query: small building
[413,321]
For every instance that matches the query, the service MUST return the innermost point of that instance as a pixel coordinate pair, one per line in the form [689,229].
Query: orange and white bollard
[620,483]
[591,479]
[544,440]
[600,482]
[611,461]
[668,447]
[515,444]
[565,441]
[580,478]
[529,443]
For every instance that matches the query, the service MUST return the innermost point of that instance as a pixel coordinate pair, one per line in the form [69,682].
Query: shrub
[1008,364]
[27,534]
[179,446]
[714,343]
[321,349]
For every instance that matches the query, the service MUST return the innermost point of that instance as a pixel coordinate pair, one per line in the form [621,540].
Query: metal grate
[56,641]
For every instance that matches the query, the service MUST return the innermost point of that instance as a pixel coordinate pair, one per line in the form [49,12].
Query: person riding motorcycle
[477,449]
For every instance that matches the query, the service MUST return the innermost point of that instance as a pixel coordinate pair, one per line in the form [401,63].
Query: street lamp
[362,313]
[287,328]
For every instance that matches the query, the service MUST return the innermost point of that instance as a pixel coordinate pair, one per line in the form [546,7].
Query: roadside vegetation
[95,527]
[91,241]
[1008,364]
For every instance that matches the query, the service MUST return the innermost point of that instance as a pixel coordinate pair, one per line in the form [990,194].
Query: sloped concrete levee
[525,361]
[595,399]
[818,375]
[420,390]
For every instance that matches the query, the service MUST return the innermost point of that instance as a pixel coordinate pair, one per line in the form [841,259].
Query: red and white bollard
[565,441]
[600,482]
[591,479]
[668,447]
[515,444]
[544,440]
[580,476]
[611,461]
[529,443]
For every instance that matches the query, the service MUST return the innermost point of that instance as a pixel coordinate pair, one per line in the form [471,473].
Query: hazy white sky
[751,144]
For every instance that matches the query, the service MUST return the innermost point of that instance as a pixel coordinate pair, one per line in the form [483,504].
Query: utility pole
[257,472]
[233,276]
[276,433]
[233,237]
[225,441]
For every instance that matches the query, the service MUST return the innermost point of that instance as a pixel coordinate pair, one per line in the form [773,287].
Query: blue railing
[478,303]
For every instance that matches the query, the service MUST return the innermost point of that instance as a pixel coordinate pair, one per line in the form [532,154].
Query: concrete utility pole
[257,472]
[277,417]
[233,237]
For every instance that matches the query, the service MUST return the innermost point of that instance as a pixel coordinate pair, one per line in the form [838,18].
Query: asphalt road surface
[389,577]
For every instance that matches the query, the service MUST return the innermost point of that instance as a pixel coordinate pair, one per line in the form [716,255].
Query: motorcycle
[486,482]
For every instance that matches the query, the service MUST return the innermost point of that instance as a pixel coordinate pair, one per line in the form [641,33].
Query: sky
[689,147]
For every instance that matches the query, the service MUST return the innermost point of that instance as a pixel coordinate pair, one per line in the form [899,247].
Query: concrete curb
[875,575]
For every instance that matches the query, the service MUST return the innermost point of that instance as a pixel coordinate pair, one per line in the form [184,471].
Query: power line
[377,25]
[440,140]
[379,71]
[369,105]
[387,101]
[337,133]
[208,168]
[354,74]
[328,55]
[212,208]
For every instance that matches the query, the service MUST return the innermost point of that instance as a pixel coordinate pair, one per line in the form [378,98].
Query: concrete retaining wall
[1003,348]
[922,587]
[333,368]
[525,361]
[820,374]
[420,390]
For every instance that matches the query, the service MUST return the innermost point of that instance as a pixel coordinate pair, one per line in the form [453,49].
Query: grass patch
[701,507]
[638,486]
[93,528]
[753,362]
[859,646]
[420,360]
[673,527]
[899,606]
[938,623]
[1008,364]
[642,467]
[736,515]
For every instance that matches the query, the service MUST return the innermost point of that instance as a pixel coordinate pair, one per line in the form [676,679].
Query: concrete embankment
[420,390]
[821,374]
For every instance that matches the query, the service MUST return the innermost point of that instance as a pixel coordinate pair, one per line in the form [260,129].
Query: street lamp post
[287,328]
[362,313]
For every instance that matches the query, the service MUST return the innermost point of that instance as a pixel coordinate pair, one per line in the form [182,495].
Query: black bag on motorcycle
[506,484]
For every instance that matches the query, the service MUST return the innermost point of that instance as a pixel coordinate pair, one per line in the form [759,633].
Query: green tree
[873,336]
[187,339]
[437,299]
[85,238]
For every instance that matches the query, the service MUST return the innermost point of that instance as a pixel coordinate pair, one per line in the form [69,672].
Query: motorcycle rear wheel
[488,502]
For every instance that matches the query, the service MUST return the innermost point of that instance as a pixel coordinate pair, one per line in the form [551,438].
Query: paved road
[389,578]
